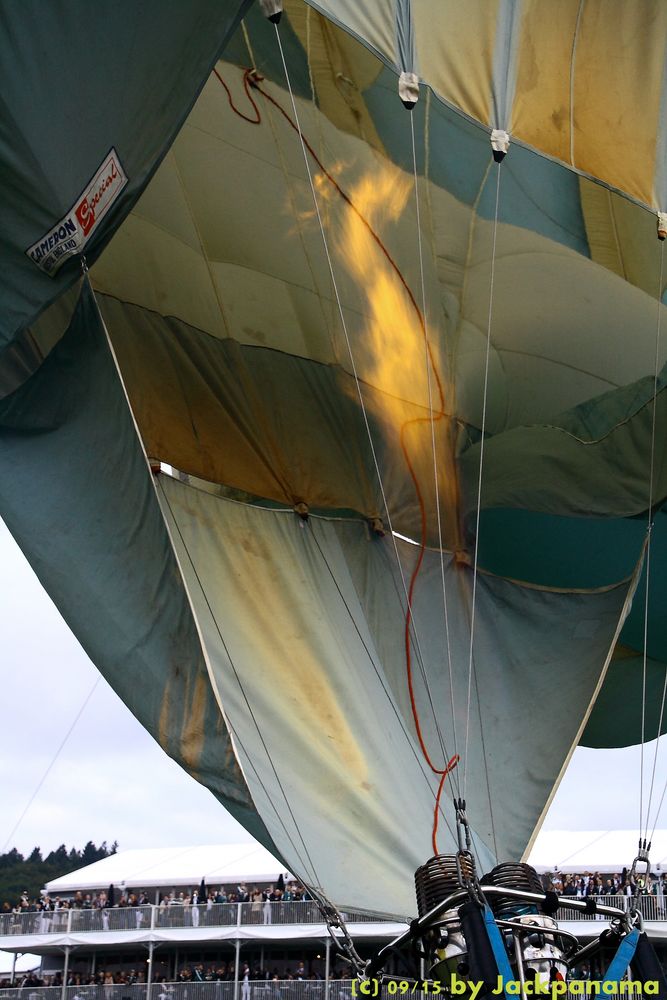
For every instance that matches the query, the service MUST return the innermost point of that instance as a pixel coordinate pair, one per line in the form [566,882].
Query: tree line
[19,874]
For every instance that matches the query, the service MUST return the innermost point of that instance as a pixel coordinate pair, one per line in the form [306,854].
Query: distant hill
[19,874]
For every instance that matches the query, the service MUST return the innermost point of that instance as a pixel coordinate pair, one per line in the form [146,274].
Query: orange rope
[451,764]
[252,79]
[246,77]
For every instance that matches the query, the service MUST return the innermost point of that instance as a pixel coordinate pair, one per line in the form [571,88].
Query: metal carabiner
[641,858]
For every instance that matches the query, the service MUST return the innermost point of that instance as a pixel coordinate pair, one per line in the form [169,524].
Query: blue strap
[621,960]
[498,948]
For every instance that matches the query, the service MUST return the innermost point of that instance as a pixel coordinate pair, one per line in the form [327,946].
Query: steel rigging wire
[479,507]
[649,536]
[408,589]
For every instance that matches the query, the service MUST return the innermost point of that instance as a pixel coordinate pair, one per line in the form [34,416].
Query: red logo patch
[85,210]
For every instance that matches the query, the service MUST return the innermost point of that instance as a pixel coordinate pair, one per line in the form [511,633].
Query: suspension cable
[438,416]
[407,591]
[243,693]
[52,762]
[479,481]
[649,534]
[160,488]
[382,681]
[658,810]
[252,78]
[329,911]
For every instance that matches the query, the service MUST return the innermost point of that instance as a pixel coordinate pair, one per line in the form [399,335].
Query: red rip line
[251,79]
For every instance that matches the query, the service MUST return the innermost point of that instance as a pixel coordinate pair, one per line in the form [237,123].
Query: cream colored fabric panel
[167,188]
[340,70]
[541,338]
[595,463]
[509,757]
[259,422]
[304,623]
[622,237]
[243,256]
[278,638]
[617,88]
[541,113]
[211,201]
[279,427]
[242,209]
[146,265]
[549,305]
[535,385]
[454,45]
[293,324]
[374,23]
[534,317]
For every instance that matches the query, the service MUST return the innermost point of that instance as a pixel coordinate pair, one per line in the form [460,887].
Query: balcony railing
[295,912]
[308,989]
[130,918]
[650,907]
[284,989]
[176,915]
[163,917]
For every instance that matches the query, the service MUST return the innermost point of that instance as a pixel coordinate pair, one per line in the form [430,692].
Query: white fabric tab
[500,140]
[270,8]
[408,88]
[662,225]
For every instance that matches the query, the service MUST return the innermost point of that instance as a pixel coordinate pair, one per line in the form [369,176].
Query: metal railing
[650,907]
[71,921]
[202,915]
[263,989]
[34,923]
[111,918]
[174,915]
[291,912]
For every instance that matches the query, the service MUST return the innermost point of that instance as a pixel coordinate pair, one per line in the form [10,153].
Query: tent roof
[162,866]
[24,963]
[594,850]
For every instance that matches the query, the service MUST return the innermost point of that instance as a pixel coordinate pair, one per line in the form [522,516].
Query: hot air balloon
[332,412]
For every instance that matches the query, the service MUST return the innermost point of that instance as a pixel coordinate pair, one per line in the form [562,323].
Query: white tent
[173,866]
[594,850]
[24,963]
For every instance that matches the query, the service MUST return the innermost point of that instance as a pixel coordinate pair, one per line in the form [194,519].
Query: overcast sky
[112,781]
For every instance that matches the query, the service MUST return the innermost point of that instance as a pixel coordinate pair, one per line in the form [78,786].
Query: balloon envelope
[294,612]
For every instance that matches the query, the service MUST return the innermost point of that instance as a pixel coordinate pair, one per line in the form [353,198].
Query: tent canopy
[173,866]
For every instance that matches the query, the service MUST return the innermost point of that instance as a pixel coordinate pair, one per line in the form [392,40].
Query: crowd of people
[185,908]
[81,901]
[584,884]
[594,884]
[190,908]
[194,909]
[189,973]
[242,893]
[282,892]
